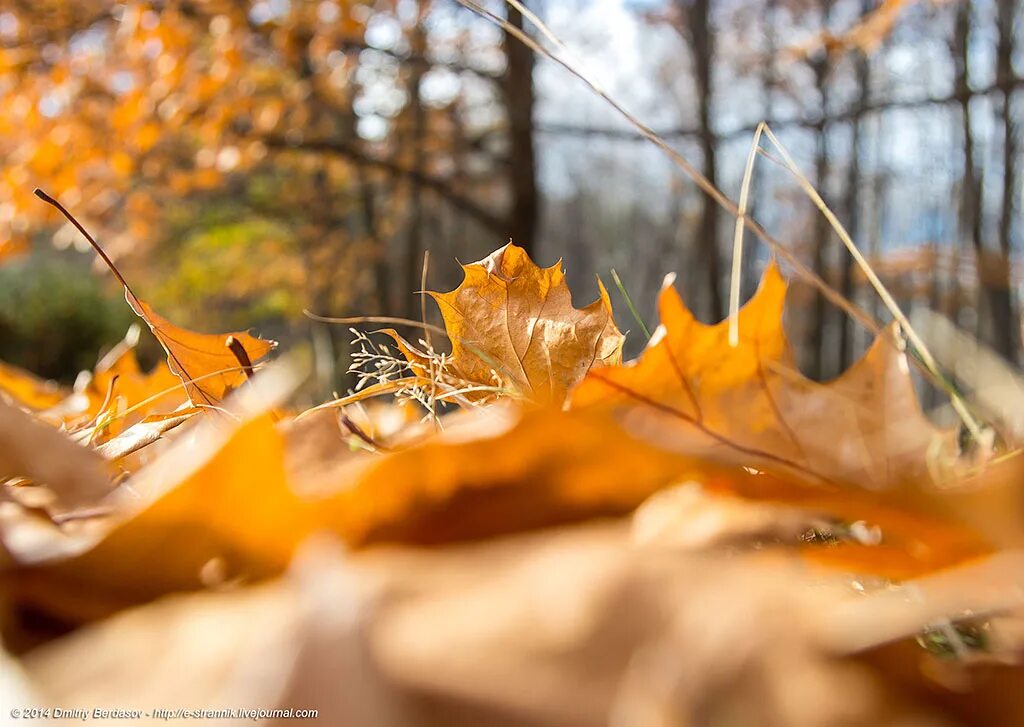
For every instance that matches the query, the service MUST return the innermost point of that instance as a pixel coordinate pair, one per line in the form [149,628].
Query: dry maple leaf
[512,325]
[501,474]
[207,364]
[230,510]
[874,534]
[691,390]
[204,362]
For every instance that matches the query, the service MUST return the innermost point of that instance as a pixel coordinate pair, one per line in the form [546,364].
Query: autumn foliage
[550,516]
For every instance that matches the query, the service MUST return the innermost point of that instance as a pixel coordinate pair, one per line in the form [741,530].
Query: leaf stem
[92,241]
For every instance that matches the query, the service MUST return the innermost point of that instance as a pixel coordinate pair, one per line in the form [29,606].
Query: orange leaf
[118,375]
[28,390]
[695,392]
[525,470]
[205,363]
[512,324]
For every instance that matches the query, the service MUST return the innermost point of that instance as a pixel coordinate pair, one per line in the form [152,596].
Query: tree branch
[352,152]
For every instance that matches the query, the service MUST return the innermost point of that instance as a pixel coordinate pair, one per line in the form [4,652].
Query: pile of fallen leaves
[523,530]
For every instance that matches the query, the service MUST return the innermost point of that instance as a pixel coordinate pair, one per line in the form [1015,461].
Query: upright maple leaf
[204,362]
[512,324]
[207,364]
[693,390]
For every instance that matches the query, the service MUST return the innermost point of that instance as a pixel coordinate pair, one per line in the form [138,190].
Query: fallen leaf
[233,504]
[864,533]
[572,626]
[692,391]
[32,449]
[518,471]
[118,374]
[28,390]
[513,326]
[144,433]
[568,626]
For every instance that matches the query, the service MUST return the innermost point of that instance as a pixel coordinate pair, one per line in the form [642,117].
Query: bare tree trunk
[852,202]
[762,197]
[702,42]
[519,100]
[970,195]
[1006,328]
[417,140]
[457,235]
[816,333]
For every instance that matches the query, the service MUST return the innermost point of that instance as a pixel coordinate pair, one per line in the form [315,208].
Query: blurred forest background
[245,160]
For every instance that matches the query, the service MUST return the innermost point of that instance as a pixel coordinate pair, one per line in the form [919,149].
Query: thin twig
[853,310]
[890,303]
[375,319]
[95,245]
[423,297]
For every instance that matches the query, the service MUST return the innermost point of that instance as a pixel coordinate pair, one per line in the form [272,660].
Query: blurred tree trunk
[460,153]
[761,192]
[1006,327]
[519,101]
[697,15]
[970,195]
[815,347]
[852,202]
[417,139]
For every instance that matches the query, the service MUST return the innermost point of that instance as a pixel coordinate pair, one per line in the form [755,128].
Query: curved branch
[355,154]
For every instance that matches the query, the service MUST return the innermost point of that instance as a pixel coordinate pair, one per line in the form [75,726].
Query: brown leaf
[156,392]
[875,534]
[568,627]
[691,390]
[234,505]
[512,324]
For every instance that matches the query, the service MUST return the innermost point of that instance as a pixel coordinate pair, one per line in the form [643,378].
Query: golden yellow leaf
[29,390]
[229,510]
[512,325]
[119,382]
[207,364]
[496,475]
[229,513]
[236,509]
[203,361]
[691,390]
